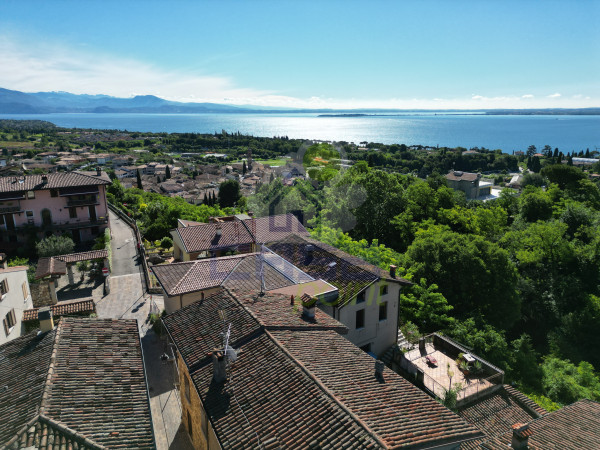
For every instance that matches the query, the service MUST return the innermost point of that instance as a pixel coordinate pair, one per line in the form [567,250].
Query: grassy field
[274,162]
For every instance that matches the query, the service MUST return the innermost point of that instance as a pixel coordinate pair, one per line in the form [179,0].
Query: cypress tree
[244,168]
[167,172]
[139,180]
[204,199]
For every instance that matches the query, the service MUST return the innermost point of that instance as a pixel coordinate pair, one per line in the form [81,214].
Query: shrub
[166,242]
[55,245]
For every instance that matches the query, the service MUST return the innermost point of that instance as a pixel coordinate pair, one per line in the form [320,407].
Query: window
[30,194]
[3,287]
[9,321]
[29,213]
[186,387]
[73,213]
[25,290]
[360,319]
[360,298]
[383,311]
[189,421]
[95,230]
[53,193]
[383,289]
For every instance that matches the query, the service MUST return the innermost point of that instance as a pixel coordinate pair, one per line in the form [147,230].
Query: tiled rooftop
[82,383]
[274,228]
[204,237]
[349,274]
[396,410]
[462,176]
[55,180]
[299,383]
[576,426]
[63,309]
[57,265]
[24,366]
[50,266]
[494,414]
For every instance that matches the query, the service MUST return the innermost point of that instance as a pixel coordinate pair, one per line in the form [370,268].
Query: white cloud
[47,66]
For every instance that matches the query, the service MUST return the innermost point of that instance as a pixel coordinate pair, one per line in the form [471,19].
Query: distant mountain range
[16,102]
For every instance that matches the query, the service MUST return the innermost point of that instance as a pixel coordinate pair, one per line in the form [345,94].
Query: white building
[15,297]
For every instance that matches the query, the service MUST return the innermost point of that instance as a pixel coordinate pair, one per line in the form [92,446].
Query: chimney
[219,230]
[219,366]
[45,318]
[309,250]
[520,437]
[3,261]
[379,366]
[251,213]
[44,179]
[308,306]
[292,300]
[98,171]
[392,271]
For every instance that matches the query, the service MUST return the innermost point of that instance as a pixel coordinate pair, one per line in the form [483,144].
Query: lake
[508,133]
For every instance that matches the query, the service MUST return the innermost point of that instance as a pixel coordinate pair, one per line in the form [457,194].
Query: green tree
[535,205]
[244,169]
[565,383]
[423,305]
[563,175]
[139,180]
[475,276]
[55,245]
[167,172]
[229,193]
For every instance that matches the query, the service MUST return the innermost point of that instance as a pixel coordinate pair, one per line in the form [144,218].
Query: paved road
[127,300]
[124,254]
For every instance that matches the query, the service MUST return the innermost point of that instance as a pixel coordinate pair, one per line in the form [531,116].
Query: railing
[138,237]
[10,209]
[79,202]
[78,224]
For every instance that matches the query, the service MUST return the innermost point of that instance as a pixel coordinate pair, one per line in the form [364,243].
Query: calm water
[508,133]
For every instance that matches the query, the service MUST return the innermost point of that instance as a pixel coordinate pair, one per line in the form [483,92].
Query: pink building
[55,203]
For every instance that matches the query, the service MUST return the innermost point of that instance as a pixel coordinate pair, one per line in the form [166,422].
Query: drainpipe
[180,301]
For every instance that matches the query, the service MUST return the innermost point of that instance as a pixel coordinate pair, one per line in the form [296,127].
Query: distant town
[216,291]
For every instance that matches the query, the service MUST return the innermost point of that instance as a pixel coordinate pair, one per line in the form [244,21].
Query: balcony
[79,223]
[82,202]
[10,209]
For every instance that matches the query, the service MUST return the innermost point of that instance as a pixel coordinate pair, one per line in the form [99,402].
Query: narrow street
[127,300]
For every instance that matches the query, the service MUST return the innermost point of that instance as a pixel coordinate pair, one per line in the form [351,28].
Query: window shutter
[25,291]
[5,323]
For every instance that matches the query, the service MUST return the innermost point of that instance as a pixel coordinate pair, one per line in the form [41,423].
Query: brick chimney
[219,230]
[3,261]
[308,306]
[520,437]
[219,366]
[392,271]
[45,318]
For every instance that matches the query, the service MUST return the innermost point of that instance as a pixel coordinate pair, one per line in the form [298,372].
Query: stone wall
[40,294]
[192,406]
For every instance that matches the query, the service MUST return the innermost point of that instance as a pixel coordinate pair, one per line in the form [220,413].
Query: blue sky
[411,54]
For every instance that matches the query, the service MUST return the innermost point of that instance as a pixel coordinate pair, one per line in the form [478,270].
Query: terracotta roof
[494,414]
[13,269]
[576,426]
[204,237]
[241,272]
[298,383]
[63,309]
[396,410]
[83,256]
[83,382]
[24,366]
[274,228]
[55,180]
[57,265]
[349,274]
[462,176]
[50,266]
